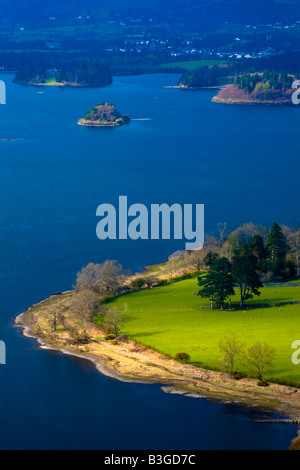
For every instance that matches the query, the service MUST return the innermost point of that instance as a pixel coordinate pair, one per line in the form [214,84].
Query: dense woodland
[206,77]
[85,73]
[246,79]
[266,81]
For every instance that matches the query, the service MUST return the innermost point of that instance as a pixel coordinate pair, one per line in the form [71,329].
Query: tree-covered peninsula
[217,322]
[86,74]
[205,77]
[258,88]
[104,115]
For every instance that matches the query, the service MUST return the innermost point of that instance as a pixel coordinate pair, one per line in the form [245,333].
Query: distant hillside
[39,9]
[192,13]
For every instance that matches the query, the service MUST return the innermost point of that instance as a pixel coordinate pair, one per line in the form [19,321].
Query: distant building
[177,254]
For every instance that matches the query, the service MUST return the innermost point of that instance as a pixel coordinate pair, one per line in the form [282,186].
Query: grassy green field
[174,322]
[51,81]
[192,65]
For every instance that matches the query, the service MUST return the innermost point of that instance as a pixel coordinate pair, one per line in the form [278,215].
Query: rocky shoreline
[231,94]
[83,122]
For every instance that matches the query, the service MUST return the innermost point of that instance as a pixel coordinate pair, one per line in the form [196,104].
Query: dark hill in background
[194,14]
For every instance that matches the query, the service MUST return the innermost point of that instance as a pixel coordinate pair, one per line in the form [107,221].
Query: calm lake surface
[241,162]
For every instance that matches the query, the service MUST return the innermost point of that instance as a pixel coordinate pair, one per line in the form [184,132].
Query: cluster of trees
[249,80]
[266,81]
[276,251]
[276,254]
[91,74]
[107,113]
[205,77]
[247,264]
[140,282]
[256,358]
[239,262]
[92,280]
[87,73]
[219,283]
[102,278]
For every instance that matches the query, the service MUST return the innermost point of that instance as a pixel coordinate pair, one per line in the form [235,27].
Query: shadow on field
[150,333]
[278,303]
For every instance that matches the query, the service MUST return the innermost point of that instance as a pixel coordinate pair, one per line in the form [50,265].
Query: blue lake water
[241,162]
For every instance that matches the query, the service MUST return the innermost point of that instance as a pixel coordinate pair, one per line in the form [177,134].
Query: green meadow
[192,65]
[174,319]
[51,81]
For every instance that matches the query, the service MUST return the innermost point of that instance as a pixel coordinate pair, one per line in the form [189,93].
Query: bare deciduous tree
[83,305]
[174,264]
[259,357]
[88,276]
[293,240]
[56,317]
[105,277]
[113,321]
[246,232]
[232,350]
[111,276]
[222,229]
[196,259]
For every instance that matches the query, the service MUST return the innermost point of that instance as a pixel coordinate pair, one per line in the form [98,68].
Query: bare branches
[84,304]
[232,350]
[259,357]
[101,278]
[114,321]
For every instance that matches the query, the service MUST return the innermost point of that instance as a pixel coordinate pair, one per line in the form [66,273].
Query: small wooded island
[104,115]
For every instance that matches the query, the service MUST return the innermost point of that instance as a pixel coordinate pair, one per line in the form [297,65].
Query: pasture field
[192,65]
[174,319]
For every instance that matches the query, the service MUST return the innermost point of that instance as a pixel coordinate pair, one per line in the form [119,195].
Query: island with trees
[269,88]
[104,115]
[218,322]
